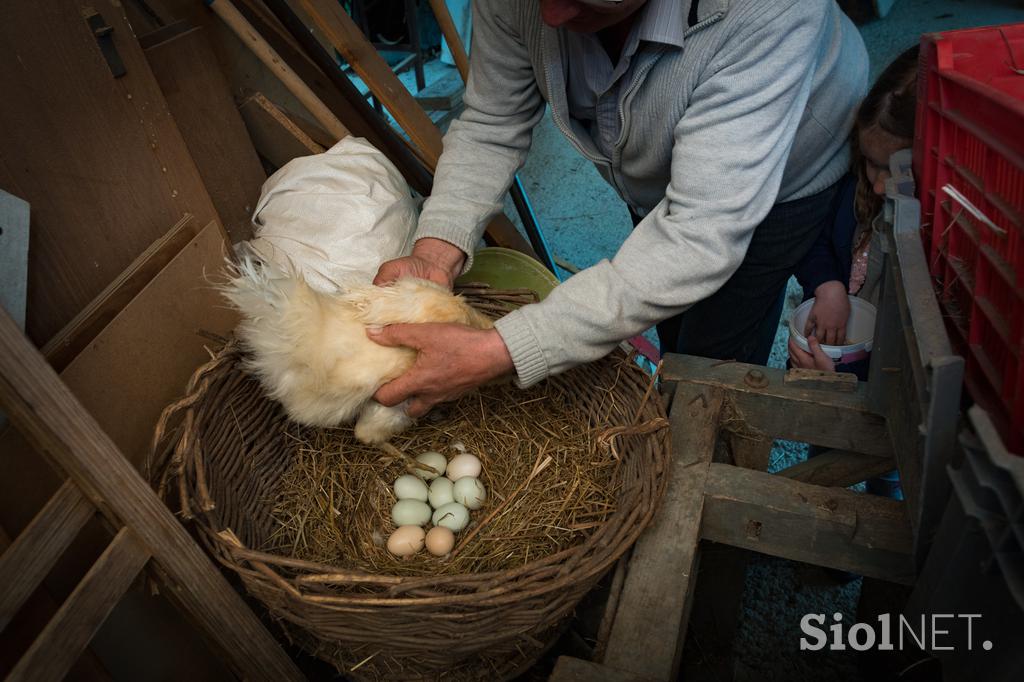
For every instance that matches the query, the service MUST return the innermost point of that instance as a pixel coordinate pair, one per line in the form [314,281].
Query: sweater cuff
[465,241]
[522,344]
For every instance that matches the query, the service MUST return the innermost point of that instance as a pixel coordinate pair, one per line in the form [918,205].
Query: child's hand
[829,314]
[816,359]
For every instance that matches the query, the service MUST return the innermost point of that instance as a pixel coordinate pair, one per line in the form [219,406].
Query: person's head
[884,125]
[587,16]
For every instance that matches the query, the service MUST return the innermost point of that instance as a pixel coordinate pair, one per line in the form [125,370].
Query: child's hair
[891,104]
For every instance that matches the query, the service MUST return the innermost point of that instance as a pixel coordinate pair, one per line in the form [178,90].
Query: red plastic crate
[969,139]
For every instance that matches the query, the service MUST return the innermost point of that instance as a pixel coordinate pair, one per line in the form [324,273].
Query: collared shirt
[595,86]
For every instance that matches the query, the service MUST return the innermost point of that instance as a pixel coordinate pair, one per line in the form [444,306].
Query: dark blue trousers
[739,321]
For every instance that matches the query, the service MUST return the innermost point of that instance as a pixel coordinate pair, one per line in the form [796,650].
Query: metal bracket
[104,34]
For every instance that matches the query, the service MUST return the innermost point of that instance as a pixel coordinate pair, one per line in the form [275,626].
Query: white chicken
[324,224]
[310,349]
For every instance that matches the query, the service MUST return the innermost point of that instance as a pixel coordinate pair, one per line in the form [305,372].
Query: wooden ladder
[100,479]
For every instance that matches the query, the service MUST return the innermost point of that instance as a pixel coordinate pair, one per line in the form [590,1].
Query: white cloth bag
[335,217]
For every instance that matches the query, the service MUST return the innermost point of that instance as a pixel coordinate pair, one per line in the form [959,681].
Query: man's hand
[831,310]
[453,359]
[432,259]
[816,359]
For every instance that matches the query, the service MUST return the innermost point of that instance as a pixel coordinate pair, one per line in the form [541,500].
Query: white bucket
[860,328]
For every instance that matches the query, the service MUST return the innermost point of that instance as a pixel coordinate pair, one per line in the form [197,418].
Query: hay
[334,505]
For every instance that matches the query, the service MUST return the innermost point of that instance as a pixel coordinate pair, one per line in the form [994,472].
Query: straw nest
[572,469]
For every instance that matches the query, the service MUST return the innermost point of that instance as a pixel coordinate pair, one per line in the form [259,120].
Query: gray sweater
[754,109]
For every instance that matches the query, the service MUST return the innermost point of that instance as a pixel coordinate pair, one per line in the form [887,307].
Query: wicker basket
[477,626]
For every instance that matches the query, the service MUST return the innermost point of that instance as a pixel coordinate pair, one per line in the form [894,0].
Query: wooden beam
[68,634]
[764,403]
[569,669]
[653,610]
[200,100]
[50,417]
[833,527]
[273,61]
[838,468]
[28,560]
[86,326]
[822,381]
[331,20]
[277,138]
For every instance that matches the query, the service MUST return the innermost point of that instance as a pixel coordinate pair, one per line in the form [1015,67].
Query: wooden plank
[59,426]
[33,553]
[838,468]
[200,100]
[277,139]
[779,410]
[821,381]
[443,94]
[66,636]
[833,527]
[569,669]
[86,325]
[341,31]
[750,452]
[314,131]
[99,157]
[652,615]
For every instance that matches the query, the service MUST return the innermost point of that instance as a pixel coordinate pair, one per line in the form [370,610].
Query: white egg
[469,492]
[462,466]
[406,541]
[434,460]
[441,492]
[452,516]
[410,513]
[409,487]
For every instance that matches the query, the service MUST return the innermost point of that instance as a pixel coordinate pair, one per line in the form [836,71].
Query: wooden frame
[101,479]
[905,416]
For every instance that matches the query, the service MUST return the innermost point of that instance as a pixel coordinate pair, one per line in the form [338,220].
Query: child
[847,258]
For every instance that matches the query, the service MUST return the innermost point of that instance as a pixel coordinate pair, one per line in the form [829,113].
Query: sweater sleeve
[488,143]
[729,152]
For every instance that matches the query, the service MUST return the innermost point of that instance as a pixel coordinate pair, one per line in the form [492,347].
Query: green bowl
[508,269]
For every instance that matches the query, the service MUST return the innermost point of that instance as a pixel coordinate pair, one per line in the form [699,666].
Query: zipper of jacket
[638,77]
[557,119]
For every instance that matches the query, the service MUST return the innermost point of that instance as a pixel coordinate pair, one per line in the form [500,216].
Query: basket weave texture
[220,452]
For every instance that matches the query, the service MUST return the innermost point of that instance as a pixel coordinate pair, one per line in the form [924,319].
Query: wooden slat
[276,138]
[51,418]
[822,381]
[780,410]
[66,636]
[838,468]
[569,669]
[652,613]
[200,101]
[443,94]
[833,527]
[79,333]
[337,26]
[32,554]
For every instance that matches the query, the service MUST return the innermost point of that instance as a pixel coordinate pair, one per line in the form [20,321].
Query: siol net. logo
[937,632]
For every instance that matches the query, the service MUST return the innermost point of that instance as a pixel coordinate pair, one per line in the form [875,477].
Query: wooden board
[58,426]
[652,614]
[276,137]
[72,339]
[140,362]
[569,669]
[99,158]
[838,468]
[834,527]
[200,100]
[833,419]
